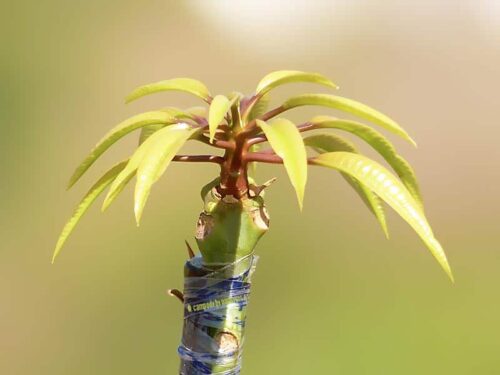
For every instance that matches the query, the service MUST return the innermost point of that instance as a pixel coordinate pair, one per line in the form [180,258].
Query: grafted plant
[217,282]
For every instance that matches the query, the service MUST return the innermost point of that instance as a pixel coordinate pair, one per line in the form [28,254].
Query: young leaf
[197,111]
[391,190]
[182,114]
[330,143]
[127,173]
[119,131]
[85,203]
[259,107]
[350,106]
[286,141]
[148,131]
[382,145]
[189,85]
[281,77]
[218,109]
[252,168]
[208,188]
[190,113]
[165,144]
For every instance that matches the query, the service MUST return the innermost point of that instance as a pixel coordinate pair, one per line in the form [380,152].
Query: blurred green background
[331,294]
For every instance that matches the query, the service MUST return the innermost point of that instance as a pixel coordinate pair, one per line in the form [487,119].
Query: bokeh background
[331,295]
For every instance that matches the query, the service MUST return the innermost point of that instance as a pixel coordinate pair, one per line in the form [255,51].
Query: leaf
[190,113]
[329,143]
[350,106]
[189,85]
[85,203]
[197,111]
[252,168]
[118,132]
[382,145]
[165,144]
[148,130]
[281,77]
[259,107]
[286,141]
[216,113]
[208,188]
[127,173]
[378,179]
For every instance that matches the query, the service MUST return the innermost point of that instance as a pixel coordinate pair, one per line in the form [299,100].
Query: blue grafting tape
[214,299]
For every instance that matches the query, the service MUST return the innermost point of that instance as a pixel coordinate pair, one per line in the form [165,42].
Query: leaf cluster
[239,125]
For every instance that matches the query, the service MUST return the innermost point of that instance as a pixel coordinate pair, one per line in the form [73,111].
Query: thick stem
[234,178]
[217,284]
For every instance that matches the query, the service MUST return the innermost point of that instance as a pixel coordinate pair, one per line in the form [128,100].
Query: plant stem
[199,158]
[217,284]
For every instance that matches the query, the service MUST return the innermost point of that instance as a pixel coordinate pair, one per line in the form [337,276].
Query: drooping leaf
[148,130]
[85,203]
[189,85]
[350,106]
[218,109]
[382,145]
[189,113]
[118,132]
[330,143]
[281,77]
[391,190]
[197,111]
[287,143]
[165,144]
[127,173]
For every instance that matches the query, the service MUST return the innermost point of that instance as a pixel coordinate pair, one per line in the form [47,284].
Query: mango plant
[234,217]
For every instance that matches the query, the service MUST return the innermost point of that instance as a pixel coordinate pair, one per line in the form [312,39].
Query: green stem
[217,284]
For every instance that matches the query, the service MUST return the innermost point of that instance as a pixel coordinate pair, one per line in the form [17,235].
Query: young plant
[217,282]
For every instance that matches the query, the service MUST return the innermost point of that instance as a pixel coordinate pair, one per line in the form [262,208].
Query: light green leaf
[208,188]
[218,109]
[281,77]
[382,145]
[118,132]
[148,130]
[197,111]
[189,113]
[388,187]
[127,173]
[189,85]
[287,143]
[350,106]
[85,203]
[252,168]
[259,107]
[165,144]
[329,143]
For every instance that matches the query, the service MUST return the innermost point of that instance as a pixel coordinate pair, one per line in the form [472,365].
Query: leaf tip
[448,271]
[386,231]
[56,252]
[72,181]
[132,96]
[106,203]
[138,208]
[300,199]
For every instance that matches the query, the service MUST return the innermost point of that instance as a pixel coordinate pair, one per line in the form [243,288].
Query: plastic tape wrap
[215,304]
